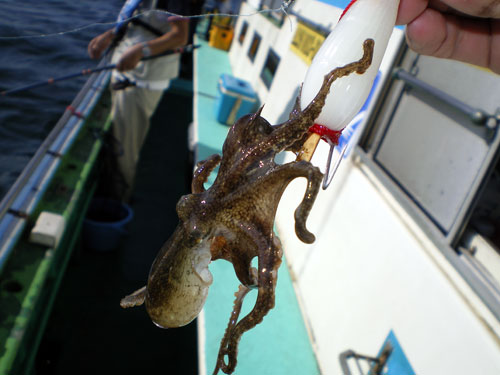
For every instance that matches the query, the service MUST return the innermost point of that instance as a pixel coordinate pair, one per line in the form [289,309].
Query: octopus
[234,219]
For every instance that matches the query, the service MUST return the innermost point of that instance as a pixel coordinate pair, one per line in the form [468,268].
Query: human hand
[130,58]
[467,31]
[97,45]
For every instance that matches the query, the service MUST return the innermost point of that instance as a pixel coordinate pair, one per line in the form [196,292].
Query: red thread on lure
[326,133]
[347,8]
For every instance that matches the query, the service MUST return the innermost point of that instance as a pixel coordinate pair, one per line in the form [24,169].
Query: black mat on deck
[88,332]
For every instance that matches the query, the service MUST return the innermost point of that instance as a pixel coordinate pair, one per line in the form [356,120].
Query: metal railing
[477,116]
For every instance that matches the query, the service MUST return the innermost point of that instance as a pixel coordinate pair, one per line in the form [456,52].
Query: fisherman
[138,85]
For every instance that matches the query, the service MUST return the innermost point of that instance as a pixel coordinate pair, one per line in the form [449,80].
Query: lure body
[361,20]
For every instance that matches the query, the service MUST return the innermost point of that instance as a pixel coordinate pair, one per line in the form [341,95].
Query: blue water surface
[26,57]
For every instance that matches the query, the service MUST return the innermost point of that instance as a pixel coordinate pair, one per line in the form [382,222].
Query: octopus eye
[195,234]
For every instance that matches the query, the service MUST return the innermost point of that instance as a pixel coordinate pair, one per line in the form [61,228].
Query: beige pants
[132,109]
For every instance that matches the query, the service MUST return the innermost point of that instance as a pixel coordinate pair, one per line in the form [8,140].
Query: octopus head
[179,280]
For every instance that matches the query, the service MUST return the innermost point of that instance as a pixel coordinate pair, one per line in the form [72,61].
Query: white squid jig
[361,20]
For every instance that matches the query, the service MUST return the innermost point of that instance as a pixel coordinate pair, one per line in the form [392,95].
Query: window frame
[448,243]
[243,32]
[271,53]
[253,49]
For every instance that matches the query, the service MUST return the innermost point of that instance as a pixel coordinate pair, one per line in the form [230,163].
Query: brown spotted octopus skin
[233,220]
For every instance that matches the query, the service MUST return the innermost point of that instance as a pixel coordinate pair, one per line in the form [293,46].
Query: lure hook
[327,180]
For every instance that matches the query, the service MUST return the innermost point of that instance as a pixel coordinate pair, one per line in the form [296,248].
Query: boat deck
[88,332]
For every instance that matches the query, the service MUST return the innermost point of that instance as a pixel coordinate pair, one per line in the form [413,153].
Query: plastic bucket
[105,224]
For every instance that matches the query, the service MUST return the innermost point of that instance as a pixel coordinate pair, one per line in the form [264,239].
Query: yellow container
[221,37]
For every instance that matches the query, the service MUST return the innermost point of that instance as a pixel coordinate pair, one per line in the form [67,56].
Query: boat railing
[22,197]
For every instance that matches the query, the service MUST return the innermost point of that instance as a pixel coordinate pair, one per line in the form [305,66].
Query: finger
[96,53]
[478,8]
[125,64]
[119,66]
[90,49]
[409,10]
[94,50]
[475,41]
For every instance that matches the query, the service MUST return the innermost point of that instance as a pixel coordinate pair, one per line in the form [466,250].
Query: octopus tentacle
[294,128]
[243,270]
[203,170]
[296,108]
[135,299]
[242,263]
[296,146]
[283,174]
[269,262]
[314,178]
[233,319]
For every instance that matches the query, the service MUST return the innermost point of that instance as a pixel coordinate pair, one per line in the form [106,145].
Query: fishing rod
[84,72]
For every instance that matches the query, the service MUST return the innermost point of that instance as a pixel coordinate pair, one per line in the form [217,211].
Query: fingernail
[411,43]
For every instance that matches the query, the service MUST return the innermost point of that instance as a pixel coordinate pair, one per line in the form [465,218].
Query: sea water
[40,40]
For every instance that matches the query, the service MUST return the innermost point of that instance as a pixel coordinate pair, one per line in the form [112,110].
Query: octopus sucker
[234,220]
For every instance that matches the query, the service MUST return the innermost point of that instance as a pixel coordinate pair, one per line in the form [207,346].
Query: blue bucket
[105,224]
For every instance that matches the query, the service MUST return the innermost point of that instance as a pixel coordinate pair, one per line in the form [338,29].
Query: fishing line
[84,72]
[283,8]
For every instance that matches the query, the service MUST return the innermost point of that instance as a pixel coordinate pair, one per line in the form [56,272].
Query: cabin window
[243,32]
[254,46]
[269,68]
[433,141]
